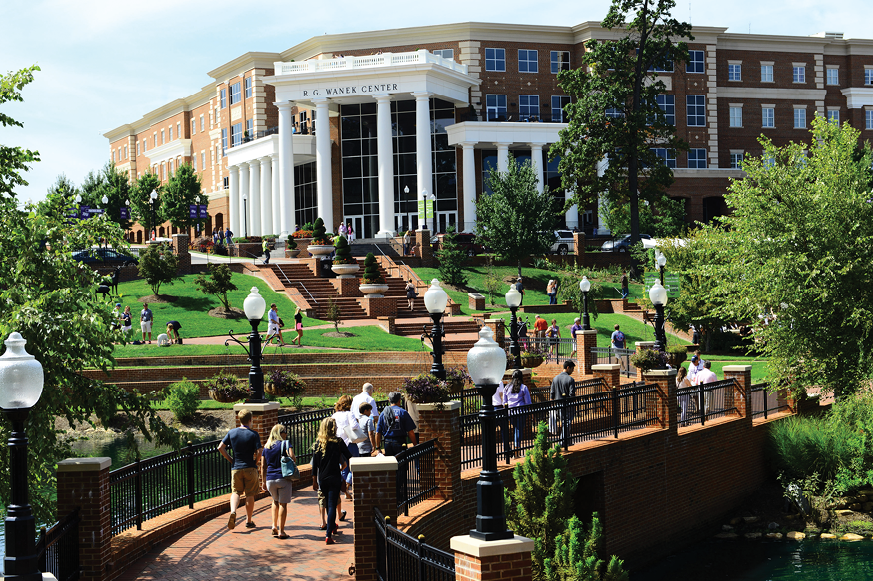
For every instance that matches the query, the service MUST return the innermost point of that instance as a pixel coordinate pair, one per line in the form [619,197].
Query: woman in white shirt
[345,418]
[684,400]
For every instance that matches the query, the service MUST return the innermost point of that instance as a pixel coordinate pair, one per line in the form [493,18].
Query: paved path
[213,553]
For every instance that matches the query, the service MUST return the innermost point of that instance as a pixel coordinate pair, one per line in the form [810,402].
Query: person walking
[274,326]
[554,335]
[265,248]
[228,236]
[520,288]
[563,387]
[516,395]
[366,447]
[247,449]
[364,397]
[410,294]
[346,425]
[329,458]
[351,233]
[625,290]
[684,401]
[126,324]
[394,426]
[704,376]
[552,291]
[280,490]
[145,322]
[341,229]
[617,341]
[406,240]
[573,330]
[298,326]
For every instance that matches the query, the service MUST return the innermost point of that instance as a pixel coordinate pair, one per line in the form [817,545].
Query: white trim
[478,548]
[772,94]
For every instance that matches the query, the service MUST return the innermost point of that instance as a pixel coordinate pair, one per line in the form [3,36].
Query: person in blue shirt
[228,235]
[247,449]
[395,425]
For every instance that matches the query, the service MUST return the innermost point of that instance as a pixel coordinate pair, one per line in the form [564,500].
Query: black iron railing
[400,557]
[58,548]
[765,402]
[559,349]
[620,356]
[589,386]
[704,402]
[416,475]
[470,400]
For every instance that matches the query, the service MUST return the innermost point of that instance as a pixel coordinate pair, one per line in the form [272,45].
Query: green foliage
[14,160]
[576,556]
[142,209]
[542,502]
[319,234]
[664,218]
[343,251]
[678,354]
[159,265]
[182,399]
[372,274]
[516,220]
[451,259]
[240,239]
[648,359]
[333,314]
[615,75]
[568,290]
[491,283]
[291,244]
[219,283]
[179,193]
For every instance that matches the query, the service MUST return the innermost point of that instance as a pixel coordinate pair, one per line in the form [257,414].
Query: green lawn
[759,367]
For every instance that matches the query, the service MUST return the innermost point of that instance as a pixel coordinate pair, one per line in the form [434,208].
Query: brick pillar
[444,426]
[380,306]
[663,403]
[180,247]
[387,323]
[83,483]
[347,287]
[375,487]
[610,373]
[498,328]
[585,342]
[264,417]
[422,243]
[507,560]
[579,247]
[741,398]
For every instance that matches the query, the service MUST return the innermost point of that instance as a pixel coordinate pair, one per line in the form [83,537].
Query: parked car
[622,243]
[103,255]
[563,242]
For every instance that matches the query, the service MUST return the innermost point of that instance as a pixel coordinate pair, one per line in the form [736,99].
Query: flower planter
[345,270]
[225,397]
[292,253]
[284,391]
[319,249]
[374,291]
[531,361]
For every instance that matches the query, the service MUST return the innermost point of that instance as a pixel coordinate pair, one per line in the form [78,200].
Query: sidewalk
[212,552]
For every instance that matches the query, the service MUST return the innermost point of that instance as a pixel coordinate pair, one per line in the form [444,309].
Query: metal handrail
[291,284]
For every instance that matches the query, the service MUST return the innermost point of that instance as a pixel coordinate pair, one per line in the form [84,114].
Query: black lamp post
[245,218]
[513,300]
[21,381]
[585,286]
[254,306]
[423,217]
[658,296]
[435,300]
[486,362]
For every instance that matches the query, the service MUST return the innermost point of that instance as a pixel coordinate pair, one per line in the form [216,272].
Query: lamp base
[492,536]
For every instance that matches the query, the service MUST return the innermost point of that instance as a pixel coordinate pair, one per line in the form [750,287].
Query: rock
[736,520]
[750,519]
[774,535]
[843,512]
[851,537]
[795,536]
[752,535]
[866,492]
[726,536]
[828,536]
[727,528]
[855,506]
[773,526]
[868,506]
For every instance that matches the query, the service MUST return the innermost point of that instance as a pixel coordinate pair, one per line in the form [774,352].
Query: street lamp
[662,262]
[658,296]
[513,301]
[585,286]
[245,217]
[486,363]
[254,307]
[154,197]
[21,381]
[423,216]
[435,300]
[406,203]
[433,199]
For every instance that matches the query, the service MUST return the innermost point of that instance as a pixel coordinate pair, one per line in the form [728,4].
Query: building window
[162,136]
[248,87]
[495,60]
[527,61]
[194,162]
[155,139]
[137,147]
[800,118]
[125,152]
[868,76]
[766,73]
[225,182]
[799,74]
[833,76]
[235,94]
[179,129]
[667,156]
[834,116]
[202,127]
[222,99]
[735,72]
[736,117]
[767,117]
[217,155]
[697,158]
[528,107]
[495,107]
[695,62]
[170,129]
[736,160]
[203,159]
[223,141]
[144,145]
[696,110]
[446,53]
[112,155]
[193,127]
[558,104]
[667,103]
[170,169]
[250,128]
[560,61]
[868,116]
[614,113]
[236,134]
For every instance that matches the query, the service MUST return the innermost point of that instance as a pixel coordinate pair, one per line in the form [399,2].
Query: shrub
[183,397]
[343,251]
[240,239]
[319,234]
[648,359]
[291,244]
[302,234]
[372,275]
[426,388]
[452,259]
[220,250]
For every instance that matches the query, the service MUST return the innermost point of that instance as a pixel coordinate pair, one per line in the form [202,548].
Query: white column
[245,213]
[284,193]
[536,158]
[233,203]
[277,195]
[255,197]
[423,153]
[469,170]
[323,174]
[602,204]
[502,157]
[385,156]
[573,213]
[266,197]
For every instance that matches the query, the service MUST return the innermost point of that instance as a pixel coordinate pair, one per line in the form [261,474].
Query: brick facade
[375,487]
[83,484]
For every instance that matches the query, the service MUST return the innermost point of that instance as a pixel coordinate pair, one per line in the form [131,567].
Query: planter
[374,291]
[224,397]
[531,362]
[456,386]
[320,249]
[292,253]
[284,391]
[346,270]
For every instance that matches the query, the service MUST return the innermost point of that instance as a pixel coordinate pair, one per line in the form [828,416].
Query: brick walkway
[211,552]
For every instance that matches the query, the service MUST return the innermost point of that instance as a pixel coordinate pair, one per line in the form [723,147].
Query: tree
[663,219]
[793,259]
[542,501]
[159,265]
[516,220]
[372,274]
[142,210]
[343,251]
[219,283]
[334,313]
[576,556]
[117,189]
[615,113]
[451,259]
[14,160]
[178,195]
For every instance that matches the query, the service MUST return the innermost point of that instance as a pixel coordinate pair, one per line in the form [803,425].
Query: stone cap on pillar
[479,548]
[660,372]
[588,332]
[373,464]
[439,407]
[84,464]
[645,344]
[737,368]
[605,367]
[257,407]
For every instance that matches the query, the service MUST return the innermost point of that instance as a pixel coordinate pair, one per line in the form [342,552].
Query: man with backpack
[394,426]
[618,342]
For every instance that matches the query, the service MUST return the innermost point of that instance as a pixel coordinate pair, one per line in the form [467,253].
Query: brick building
[334,119]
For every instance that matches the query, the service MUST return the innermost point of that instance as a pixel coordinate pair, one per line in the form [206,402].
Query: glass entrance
[446,219]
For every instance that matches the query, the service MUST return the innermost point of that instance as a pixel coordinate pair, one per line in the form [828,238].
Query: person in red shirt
[540,326]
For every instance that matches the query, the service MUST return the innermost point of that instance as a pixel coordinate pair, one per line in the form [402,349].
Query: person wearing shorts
[298,326]
[145,322]
[173,331]
[280,489]
[274,328]
[247,450]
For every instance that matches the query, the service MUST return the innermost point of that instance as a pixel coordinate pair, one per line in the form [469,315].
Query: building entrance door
[357,226]
[446,219]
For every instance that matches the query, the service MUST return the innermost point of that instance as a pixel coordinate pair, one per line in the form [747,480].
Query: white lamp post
[513,301]
[21,381]
[658,296]
[435,300]
[585,286]
[154,197]
[486,362]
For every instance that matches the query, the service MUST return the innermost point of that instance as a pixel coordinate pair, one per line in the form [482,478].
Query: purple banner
[192,211]
[204,213]
[124,213]
[84,212]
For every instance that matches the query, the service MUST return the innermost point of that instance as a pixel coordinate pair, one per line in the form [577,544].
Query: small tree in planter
[319,234]
[343,263]
[372,283]
[457,378]
[291,246]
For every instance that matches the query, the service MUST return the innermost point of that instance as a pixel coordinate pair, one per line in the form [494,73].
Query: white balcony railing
[366,62]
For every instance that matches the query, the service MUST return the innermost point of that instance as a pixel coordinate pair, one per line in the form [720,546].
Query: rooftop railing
[348,63]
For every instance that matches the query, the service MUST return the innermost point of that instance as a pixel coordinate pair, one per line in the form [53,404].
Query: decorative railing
[707,401]
[416,475]
[387,59]
[620,356]
[764,402]
[58,548]
[401,557]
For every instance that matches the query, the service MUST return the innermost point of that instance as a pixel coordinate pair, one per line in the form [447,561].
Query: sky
[104,64]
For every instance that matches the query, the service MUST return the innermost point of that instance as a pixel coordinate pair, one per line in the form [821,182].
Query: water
[746,560]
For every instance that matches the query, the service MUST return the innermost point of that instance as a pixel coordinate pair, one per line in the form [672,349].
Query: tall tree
[142,209]
[14,160]
[516,220]
[178,195]
[117,189]
[615,113]
[451,259]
